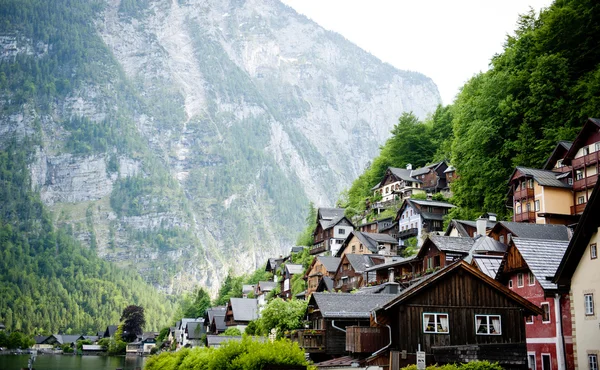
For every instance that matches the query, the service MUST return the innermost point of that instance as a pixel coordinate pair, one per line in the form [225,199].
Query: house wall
[355,247]
[586,329]
[461,296]
[387,190]
[555,200]
[409,219]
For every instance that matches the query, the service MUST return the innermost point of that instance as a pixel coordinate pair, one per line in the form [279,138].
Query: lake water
[70,362]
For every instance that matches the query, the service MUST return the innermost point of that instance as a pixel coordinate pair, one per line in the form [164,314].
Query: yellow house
[579,274]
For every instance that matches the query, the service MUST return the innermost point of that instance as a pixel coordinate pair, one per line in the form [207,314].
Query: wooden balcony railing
[523,193]
[365,339]
[525,216]
[585,183]
[578,208]
[311,340]
[585,160]
[318,248]
[408,233]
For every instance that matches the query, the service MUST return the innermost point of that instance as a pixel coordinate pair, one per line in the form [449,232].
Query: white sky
[447,40]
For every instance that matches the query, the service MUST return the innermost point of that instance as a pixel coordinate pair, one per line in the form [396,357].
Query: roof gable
[347,305]
[244,309]
[590,128]
[559,152]
[446,244]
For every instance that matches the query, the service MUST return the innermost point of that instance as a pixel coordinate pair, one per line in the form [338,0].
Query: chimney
[409,167]
[391,276]
[391,288]
[481,226]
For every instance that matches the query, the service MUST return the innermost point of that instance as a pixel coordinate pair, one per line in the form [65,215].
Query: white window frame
[530,279]
[510,284]
[488,323]
[529,354]
[520,280]
[529,317]
[593,251]
[549,358]
[593,361]
[435,320]
[597,146]
[581,199]
[549,313]
[588,304]
[537,205]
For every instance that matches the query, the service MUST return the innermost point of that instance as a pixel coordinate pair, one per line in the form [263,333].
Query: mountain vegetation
[539,90]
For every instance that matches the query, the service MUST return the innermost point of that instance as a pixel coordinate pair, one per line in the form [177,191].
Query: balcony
[577,209]
[316,249]
[585,160]
[365,339]
[311,340]
[585,183]
[523,193]
[408,233]
[525,217]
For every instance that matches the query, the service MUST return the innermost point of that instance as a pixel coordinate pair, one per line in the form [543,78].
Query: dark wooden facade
[461,293]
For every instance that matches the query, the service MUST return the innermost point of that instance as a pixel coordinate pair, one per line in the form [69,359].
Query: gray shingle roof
[536,231]
[432,203]
[294,269]
[331,213]
[220,324]
[403,173]
[347,305]
[327,282]
[488,264]
[544,177]
[195,329]
[396,261]
[247,288]
[452,244]
[381,238]
[542,257]
[360,262]
[244,309]
[267,286]
[487,244]
[218,310]
[330,263]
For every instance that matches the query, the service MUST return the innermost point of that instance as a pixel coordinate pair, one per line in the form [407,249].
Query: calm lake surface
[60,362]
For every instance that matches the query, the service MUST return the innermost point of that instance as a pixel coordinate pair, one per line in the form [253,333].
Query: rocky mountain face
[201,130]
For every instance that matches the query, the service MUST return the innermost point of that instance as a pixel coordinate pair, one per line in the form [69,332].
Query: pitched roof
[330,263]
[219,320]
[326,224]
[330,213]
[213,340]
[432,203]
[535,231]
[542,257]
[381,238]
[195,329]
[267,286]
[487,244]
[488,264]
[67,338]
[587,226]
[396,261]
[459,225]
[246,288]
[360,262]
[403,174]
[460,264]
[450,169]
[244,309]
[110,330]
[39,339]
[543,177]
[589,126]
[294,269]
[562,146]
[449,244]
[347,305]
[325,284]
[217,310]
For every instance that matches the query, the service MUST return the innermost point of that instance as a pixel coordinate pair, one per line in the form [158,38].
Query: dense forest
[50,283]
[539,90]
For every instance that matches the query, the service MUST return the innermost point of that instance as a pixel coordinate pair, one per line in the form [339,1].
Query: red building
[527,269]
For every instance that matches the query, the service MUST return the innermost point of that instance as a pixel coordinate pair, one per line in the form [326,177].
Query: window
[523,184]
[518,208]
[510,284]
[570,181]
[597,146]
[578,175]
[387,189]
[531,361]
[520,279]
[537,205]
[593,251]
[353,248]
[530,183]
[593,359]
[508,238]
[559,163]
[546,313]
[436,323]
[530,278]
[502,239]
[529,319]
[546,364]
[588,301]
[528,207]
[586,150]
[488,325]
[342,231]
[580,200]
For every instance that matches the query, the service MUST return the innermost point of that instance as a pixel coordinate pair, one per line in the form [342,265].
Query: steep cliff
[184,138]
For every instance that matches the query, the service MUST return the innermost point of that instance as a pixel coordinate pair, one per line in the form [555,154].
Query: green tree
[283,315]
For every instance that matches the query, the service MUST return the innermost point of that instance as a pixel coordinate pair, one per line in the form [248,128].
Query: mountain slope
[184,138]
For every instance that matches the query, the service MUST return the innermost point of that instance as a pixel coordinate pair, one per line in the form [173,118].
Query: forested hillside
[50,283]
[538,91]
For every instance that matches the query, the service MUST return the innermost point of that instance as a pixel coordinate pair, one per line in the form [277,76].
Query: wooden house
[321,266]
[457,314]
[417,218]
[240,311]
[262,289]
[331,230]
[578,274]
[504,231]
[398,269]
[397,184]
[369,243]
[350,273]
[286,282]
[375,226]
[330,314]
[527,269]
[466,228]
[440,251]
[219,325]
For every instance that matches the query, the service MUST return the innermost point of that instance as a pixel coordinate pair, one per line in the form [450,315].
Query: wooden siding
[360,339]
[514,261]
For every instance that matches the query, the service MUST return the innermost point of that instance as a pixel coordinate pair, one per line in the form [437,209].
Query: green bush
[473,365]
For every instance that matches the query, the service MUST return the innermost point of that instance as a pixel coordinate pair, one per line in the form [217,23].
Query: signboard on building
[421,360]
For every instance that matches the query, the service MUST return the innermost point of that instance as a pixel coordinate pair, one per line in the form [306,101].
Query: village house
[273,265]
[398,184]
[247,289]
[209,316]
[457,314]
[240,311]
[350,272]
[398,269]
[331,231]
[440,251]
[578,274]
[286,282]
[527,269]
[416,218]
[504,231]
[369,243]
[376,226]
[262,289]
[193,334]
[321,266]
[466,228]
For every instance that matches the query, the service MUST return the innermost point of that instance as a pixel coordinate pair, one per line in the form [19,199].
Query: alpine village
[432,258]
